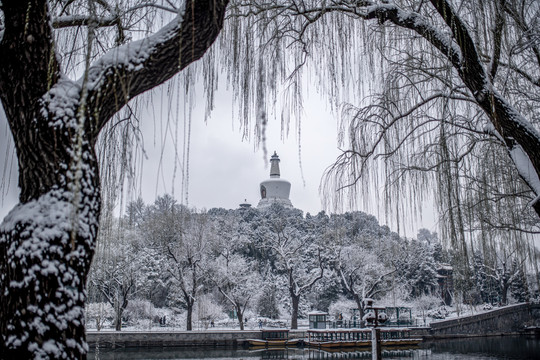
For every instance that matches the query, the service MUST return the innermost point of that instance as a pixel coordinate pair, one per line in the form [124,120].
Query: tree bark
[47,241]
[240,315]
[504,293]
[189,317]
[295,301]
[118,320]
[361,311]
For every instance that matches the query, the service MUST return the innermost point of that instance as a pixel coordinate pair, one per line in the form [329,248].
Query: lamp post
[375,315]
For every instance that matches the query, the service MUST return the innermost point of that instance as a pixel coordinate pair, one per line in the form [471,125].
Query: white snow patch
[61,102]
[525,168]
[420,21]
[50,347]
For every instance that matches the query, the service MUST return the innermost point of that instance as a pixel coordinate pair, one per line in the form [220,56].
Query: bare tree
[187,256]
[116,284]
[362,274]
[238,281]
[116,267]
[300,257]
[47,241]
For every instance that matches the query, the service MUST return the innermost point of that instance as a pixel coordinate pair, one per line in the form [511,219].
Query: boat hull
[273,343]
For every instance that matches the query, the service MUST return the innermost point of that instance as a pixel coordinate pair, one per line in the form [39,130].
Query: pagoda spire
[274,166]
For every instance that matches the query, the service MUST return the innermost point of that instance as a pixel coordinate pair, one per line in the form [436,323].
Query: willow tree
[47,241]
[438,94]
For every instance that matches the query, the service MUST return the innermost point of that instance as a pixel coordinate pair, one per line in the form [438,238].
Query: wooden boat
[401,342]
[329,344]
[274,338]
[363,343]
[273,343]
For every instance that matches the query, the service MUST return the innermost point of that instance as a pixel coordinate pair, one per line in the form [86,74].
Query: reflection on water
[493,348]
[506,348]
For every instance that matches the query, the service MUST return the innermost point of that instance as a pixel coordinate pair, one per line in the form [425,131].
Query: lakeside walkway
[509,320]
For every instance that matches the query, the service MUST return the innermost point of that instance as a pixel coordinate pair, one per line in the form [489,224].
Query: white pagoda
[275,190]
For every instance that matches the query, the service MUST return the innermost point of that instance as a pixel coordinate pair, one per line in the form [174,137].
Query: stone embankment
[223,338]
[114,339]
[508,320]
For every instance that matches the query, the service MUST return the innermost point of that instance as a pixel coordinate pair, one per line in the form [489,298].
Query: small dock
[344,338]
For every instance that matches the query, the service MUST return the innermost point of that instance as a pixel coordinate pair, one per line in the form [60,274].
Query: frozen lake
[493,348]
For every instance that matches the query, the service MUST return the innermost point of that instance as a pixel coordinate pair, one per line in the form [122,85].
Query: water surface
[490,348]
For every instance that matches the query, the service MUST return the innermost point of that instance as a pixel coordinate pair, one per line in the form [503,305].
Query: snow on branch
[317,277]
[131,69]
[417,23]
[133,56]
[368,10]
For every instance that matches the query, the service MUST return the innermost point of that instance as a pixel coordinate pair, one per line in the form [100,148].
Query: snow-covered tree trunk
[47,241]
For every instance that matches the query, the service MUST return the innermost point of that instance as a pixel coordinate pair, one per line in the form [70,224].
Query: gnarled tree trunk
[47,241]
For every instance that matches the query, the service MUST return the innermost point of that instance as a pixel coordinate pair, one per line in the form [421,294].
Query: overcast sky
[224,170]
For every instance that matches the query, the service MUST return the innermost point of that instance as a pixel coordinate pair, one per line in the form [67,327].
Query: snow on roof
[316,312]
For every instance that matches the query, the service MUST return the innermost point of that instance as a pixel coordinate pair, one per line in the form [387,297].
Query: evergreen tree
[268,304]
[519,288]
[419,269]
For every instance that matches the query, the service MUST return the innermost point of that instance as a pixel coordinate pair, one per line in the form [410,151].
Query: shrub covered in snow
[343,307]
[99,314]
[439,313]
